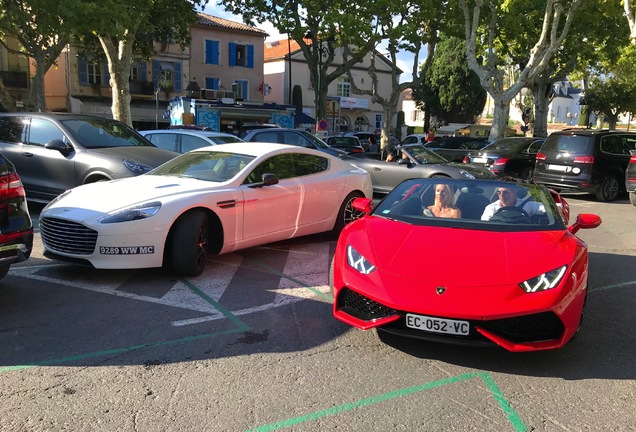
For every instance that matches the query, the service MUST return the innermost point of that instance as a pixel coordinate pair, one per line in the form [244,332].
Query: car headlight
[136,167]
[545,281]
[132,213]
[466,174]
[358,262]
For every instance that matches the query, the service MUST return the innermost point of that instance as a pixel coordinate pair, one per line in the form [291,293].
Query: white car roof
[187,132]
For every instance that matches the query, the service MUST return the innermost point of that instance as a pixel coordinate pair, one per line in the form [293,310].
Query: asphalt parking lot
[251,345]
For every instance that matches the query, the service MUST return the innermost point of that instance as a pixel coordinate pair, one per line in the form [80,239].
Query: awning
[302,118]
[166,66]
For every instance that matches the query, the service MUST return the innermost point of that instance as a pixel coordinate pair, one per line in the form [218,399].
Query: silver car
[184,140]
[56,152]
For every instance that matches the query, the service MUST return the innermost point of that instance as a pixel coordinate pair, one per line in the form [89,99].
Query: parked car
[184,140]
[588,160]
[414,139]
[630,178]
[514,156]
[455,148]
[246,127]
[16,228]
[402,272]
[208,201]
[295,137]
[348,144]
[416,162]
[55,152]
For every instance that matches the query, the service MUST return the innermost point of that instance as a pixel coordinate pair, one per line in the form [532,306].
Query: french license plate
[126,250]
[561,168]
[438,325]
[480,160]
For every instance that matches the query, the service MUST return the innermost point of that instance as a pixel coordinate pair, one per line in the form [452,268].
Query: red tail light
[632,159]
[584,159]
[357,150]
[501,161]
[540,156]
[465,160]
[13,186]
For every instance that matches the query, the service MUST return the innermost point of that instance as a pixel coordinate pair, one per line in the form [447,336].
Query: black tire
[346,213]
[608,189]
[190,243]
[632,198]
[4,269]
[526,175]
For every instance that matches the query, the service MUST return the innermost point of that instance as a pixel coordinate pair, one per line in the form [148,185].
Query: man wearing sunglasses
[508,198]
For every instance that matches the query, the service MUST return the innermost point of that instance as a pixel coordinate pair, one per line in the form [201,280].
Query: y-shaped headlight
[358,262]
[545,281]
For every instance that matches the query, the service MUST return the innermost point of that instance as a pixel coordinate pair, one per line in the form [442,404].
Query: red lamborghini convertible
[475,262]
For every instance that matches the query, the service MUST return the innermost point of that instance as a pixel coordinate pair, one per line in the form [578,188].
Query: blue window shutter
[211,83]
[250,56]
[232,54]
[143,73]
[215,52]
[105,74]
[177,77]
[156,71]
[82,68]
[245,88]
[209,57]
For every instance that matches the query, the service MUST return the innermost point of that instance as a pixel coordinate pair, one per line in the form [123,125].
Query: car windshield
[424,155]
[223,139]
[342,141]
[486,205]
[314,140]
[577,144]
[100,133]
[213,166]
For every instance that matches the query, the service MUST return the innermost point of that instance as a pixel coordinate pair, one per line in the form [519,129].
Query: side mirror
[404,161]
[268,179]
[363,205]
[57,144]
[585,221]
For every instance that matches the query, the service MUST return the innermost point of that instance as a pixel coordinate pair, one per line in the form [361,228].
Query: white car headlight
[545,281]
[358,262]
[131,214]
[466,174]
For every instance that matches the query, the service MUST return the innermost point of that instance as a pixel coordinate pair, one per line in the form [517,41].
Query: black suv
[16,228]
[586,160]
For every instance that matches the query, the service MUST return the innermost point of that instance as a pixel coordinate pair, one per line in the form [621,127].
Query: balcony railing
[15,79]
[141,87]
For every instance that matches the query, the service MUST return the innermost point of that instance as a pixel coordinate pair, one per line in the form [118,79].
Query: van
[586,160]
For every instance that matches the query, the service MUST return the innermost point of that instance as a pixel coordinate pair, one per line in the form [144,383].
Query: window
[164,141]
[134,72]
[189,142]
[212,83]
[94,73]
[241,55]
[343,88]
[287,166]
[43,131]
[211,52]
[240,88]
[168,74]
[12,128]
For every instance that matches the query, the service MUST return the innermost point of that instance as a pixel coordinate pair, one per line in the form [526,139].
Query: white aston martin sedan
[209,201]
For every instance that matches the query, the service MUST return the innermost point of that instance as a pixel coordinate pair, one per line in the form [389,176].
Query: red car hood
[461,257]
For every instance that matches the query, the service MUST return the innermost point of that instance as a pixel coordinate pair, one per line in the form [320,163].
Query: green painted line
[241,327]
[608,287]
[510,413]
[296,281]
[67,359]
[229,315]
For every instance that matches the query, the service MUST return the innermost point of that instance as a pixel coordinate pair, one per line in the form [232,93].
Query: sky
[404,60]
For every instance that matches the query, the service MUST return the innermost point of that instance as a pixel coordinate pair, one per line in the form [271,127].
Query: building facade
[285,67]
